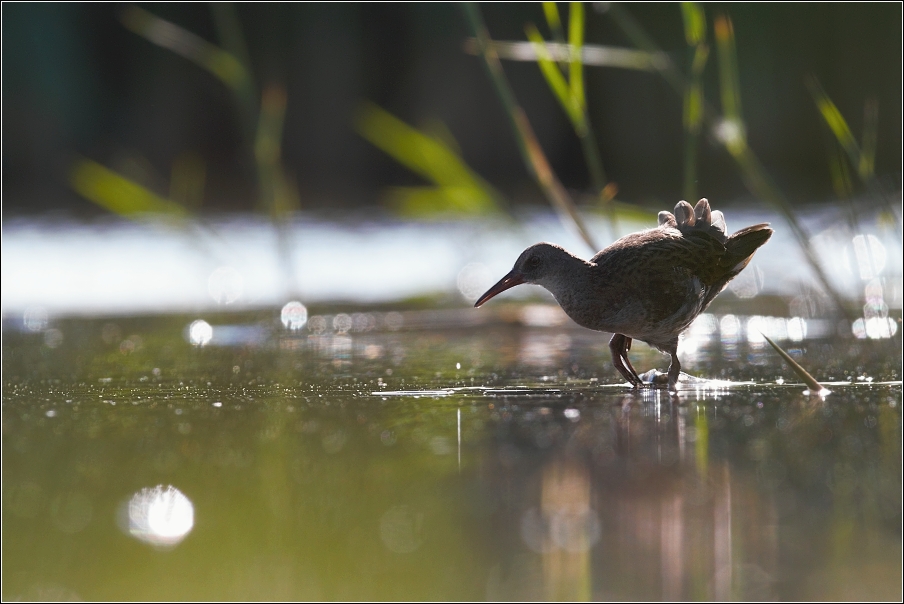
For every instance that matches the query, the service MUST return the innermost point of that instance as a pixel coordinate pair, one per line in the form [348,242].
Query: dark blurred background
[76,82]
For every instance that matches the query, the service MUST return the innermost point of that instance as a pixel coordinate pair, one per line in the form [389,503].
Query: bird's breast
[657,306]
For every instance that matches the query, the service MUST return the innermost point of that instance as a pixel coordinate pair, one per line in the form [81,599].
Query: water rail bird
[647,286]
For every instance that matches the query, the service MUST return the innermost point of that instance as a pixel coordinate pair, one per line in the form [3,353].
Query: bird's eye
[532,263]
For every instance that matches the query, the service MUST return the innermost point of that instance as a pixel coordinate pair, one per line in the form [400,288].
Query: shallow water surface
[474,462]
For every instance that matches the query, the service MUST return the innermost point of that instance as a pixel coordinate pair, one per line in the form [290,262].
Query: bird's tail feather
[746,241]
[693,221]
[700,218]
[742,245]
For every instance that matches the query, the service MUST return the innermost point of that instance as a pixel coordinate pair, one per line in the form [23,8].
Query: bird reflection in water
[630,501]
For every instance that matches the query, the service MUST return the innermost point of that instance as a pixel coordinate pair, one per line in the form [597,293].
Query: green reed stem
[531,152]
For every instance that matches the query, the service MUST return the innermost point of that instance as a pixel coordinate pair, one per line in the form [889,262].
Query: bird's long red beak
[509,281]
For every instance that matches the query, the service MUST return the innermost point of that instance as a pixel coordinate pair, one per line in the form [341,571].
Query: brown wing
[716,263]
[657,271]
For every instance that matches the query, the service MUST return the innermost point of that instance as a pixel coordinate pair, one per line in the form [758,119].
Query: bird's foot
[658,379]
[654,379]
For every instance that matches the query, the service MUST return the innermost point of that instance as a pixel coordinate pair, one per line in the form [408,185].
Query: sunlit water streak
[121,268]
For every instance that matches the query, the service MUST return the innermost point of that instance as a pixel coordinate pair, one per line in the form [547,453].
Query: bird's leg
[628,361]
[674,372]
[619,346]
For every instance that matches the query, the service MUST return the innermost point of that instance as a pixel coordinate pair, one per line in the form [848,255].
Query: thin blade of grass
[567,96]
[754,174]
[532,154]
[548,181]
[551,12]
[862,160]
[435,202]
[814,386]
[187,178]
[840,174]
[229,32]
[867,166]
[576,26]
[591,54]
[695,35]
[278,194]
[576,43]
[188,45]
[834,120]
[693,99]
[693,117]
[694,23]
[554,77]
[734,134]
[731,131]
[643,41]
[757,180]
[118,194]
[460,189]
[262,124]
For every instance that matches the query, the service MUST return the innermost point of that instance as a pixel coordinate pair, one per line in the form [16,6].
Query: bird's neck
[572,275]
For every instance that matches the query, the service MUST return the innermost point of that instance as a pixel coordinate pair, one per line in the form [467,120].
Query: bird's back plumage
[652,284]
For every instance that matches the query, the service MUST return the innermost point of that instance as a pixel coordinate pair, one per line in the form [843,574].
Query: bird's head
[537,264]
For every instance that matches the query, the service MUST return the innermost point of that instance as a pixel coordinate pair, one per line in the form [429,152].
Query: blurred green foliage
[118,194]
[695,36]
[222,64]
[263,122]
[458,189]
[90,80]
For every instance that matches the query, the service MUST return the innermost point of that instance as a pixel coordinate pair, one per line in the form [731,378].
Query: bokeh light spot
[200,332]
[225,285]
[342,323]
[161,516]
[730,329]
[704,325]
[748,284]
[334,441]
[35,318]
[569,530]
[440,445]
[730,132]
[401,529]
[294,315]
[797,329]
[53,338]
[870,255]
[317,324]
[874,327]
[363,321]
